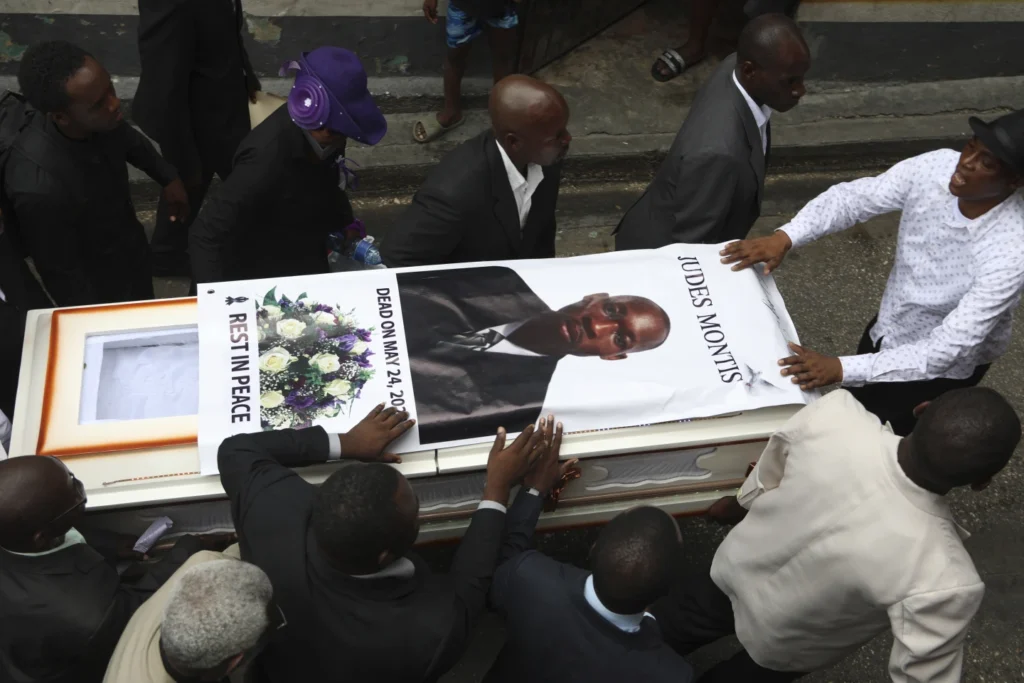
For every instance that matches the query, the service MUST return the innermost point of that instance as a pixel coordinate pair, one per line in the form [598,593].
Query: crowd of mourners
[840,532]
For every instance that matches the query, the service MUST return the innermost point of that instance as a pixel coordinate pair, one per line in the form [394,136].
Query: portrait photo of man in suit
[483,346]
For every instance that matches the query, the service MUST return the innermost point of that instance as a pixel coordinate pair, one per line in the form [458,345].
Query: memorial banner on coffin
[601,341]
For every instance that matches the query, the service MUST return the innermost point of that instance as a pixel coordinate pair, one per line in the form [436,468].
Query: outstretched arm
[995,291]
[838,208]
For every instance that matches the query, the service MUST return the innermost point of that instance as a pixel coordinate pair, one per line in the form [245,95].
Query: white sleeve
[928,634]
[844,205]
[333,447]
[996,289]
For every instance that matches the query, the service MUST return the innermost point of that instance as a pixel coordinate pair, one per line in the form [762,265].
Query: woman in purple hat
[286,192]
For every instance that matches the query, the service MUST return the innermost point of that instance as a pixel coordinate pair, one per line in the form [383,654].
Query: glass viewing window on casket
[121,378]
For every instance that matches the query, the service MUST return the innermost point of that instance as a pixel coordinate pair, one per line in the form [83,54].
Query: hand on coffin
[727,511]
[767,250]
[368,439]
[810,369]
[507,466]
[548,472]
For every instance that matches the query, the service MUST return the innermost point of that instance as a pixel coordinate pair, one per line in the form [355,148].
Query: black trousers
[170,239]
[12,324]
[894,402]
[697,613]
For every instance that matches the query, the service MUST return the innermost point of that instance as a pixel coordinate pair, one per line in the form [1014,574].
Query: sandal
[431,129]
[675,63]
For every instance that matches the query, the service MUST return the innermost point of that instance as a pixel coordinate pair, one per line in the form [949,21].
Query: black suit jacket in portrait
[340,628]
[465,211]
[710,186]
[462,393]
[62,613]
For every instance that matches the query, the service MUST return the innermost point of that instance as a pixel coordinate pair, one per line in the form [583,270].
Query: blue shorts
[460,28]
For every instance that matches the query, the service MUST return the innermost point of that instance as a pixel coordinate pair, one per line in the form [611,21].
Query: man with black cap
[948,307]
[286,192]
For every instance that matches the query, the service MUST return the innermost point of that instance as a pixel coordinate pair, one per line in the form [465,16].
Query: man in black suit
[67,197]
[563,624]
[286,193]
[193,96]
[493,197]
[360,605]
[483,346]
[62,606]
[710,187]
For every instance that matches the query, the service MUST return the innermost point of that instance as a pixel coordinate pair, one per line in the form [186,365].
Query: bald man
[710,187]
[493,197]
[62,606]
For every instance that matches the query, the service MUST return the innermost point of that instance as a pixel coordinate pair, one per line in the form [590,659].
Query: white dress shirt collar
[506,346]
[761,114]
[522,188]
[72,537]
[630,623]
[922,499]
[402,568]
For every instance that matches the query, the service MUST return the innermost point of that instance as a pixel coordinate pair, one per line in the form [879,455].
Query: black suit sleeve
[167,46]
[471,572]
[703,197]
[520,524]
[252,81]
[428,232]
[50,226]
[143,156]
[220,221]
[545,247]
[250,463]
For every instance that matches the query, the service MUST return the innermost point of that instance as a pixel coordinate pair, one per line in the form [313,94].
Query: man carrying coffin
[948,306]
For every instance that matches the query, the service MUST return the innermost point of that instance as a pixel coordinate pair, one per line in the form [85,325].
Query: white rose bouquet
[314,360]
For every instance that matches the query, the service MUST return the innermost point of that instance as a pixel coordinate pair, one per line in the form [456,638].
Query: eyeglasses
[80,500]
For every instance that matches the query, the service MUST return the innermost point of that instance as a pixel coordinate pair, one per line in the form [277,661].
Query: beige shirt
[839,545]
[136,658]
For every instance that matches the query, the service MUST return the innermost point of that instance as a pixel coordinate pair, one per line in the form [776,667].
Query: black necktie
[476,341]
[768,142]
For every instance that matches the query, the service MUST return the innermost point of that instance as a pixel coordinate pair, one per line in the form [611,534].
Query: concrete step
[623,134]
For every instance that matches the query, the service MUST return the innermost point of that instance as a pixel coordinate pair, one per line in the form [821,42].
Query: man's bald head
[772,58]
[529,119]
[34,492]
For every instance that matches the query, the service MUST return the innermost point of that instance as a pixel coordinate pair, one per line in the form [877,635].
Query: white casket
[115,392]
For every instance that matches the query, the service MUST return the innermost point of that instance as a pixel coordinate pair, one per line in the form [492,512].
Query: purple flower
[363,358]
[322,307]
[298,401]
[321,335]
[346,342]
[364,335]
